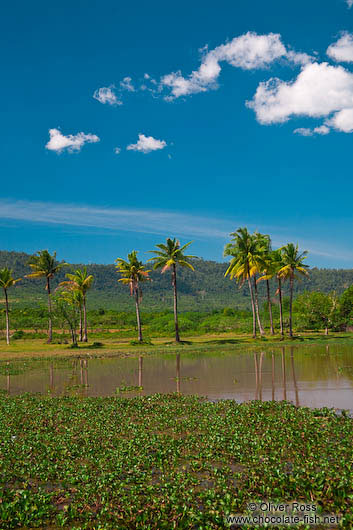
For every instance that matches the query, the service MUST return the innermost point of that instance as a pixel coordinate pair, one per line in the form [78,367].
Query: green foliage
[18,334]
[346,307]
[202,290]
[316,310]
[143,462]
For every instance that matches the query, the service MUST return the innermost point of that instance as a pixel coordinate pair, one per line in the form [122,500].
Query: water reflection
[284,382]
[312,376]
[294,377]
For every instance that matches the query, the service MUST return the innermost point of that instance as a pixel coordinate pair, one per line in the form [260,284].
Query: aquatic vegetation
[162,462]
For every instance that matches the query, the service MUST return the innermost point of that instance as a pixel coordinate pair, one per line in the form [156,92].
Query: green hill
[203,290]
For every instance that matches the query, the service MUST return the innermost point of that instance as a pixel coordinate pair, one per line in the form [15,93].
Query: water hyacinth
[166,461]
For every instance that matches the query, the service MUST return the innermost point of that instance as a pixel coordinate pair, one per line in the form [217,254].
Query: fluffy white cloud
[249,51]
[322,129]
[126,84]
[304,131]
[146,144]
[72,142]
[107,95]
[342,120]
[320,90]
[342,50]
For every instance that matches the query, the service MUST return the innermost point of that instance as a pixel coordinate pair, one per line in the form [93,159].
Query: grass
[164,462]
[115,346]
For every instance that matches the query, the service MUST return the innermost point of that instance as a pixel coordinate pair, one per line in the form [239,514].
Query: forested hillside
[205,289]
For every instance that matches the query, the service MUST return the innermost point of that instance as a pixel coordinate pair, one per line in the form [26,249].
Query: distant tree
[81,282]
[317,309]
[291,269]
[345,308]
[7,281]
[133,273]
[66,310]
[44,265]
[168,257]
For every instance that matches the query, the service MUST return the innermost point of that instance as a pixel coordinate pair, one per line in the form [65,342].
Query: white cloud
[342,50]
[107,95]
[322,129]
[117,150]
[126,84]
[304,131]
[349,3]
[342,120]
[146,144]
[72,142]
[249,51]
[320,90]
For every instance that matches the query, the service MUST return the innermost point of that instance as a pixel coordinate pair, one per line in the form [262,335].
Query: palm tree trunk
[326,330]
[7,318]
[257,308]
[84,320]
[177,336]
[253,309]
[291,281]
[50,323]
[81,325]
[280,305]
[138,315]
[269,307]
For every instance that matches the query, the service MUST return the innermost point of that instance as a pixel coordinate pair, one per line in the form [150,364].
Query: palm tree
[277,264]
[292,266]
[6,281]
[44,265]
[247,258]
[81,282]
[133,273]
[168,257]
[268,273]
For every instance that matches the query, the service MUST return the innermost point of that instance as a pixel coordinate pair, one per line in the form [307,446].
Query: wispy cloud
[72,142]
[107,95]
[161,223]
[131,220]
[126,84]
[349,3]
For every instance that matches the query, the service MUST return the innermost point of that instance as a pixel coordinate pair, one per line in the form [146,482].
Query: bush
[18,334]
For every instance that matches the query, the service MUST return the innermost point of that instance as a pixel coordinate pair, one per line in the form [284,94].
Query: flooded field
[313,376]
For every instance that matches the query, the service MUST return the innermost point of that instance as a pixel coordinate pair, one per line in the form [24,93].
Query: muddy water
[313,376]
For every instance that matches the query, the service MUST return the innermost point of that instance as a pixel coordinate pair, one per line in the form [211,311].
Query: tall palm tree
[247,257]
[44,265]
[169,257]
[292,267]
[277,264]
[133,273]
[268,272]
[7,281]
[81,282]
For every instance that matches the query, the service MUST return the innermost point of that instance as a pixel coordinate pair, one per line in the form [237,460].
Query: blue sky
[206,117]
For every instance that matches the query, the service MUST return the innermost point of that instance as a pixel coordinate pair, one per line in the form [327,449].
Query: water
[313,376]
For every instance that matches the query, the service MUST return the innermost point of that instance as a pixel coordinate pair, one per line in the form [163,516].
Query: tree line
[252,260]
